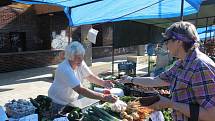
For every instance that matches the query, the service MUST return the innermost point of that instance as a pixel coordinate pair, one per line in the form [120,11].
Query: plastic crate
[128,67]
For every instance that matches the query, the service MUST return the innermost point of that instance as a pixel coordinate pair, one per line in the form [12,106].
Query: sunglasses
[166,41]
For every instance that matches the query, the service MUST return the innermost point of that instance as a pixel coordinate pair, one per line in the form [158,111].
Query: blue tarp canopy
[81,12]
[208,32]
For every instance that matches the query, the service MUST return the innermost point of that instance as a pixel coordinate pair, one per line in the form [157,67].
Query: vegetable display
[75,114]
[98,114]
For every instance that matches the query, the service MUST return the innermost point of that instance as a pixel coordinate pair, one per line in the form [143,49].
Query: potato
[135,115]
[123,114]
[129,117]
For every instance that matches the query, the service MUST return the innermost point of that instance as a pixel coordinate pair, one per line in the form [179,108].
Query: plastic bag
[118,106]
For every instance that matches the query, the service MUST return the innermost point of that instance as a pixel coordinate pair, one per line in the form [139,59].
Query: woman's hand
[110,98]
[162,103]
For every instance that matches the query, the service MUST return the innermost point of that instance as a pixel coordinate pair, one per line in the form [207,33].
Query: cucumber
[88,117]
[104,114]
[96,115]
[75,115]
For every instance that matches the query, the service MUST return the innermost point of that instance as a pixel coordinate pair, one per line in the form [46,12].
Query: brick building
[27,31]
[25,40]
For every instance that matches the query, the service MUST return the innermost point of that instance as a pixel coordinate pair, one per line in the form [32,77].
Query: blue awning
[204,36]
[208,32]
[204,29]
[81,12]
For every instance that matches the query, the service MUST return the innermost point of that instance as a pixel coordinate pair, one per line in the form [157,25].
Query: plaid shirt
[192,80]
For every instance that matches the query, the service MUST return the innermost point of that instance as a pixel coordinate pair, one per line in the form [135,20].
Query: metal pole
[182,10]
[196,21]
[69,35]
[213,32]
[149,64]
[210,33]
[206,29]
[113,49]
[112,59]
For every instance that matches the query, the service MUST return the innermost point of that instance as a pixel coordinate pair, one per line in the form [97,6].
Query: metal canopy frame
[181,19]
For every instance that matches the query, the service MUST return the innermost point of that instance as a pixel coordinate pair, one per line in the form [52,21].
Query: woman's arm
[96,80]
[94,95]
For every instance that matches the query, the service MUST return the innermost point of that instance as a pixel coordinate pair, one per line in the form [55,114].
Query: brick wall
[20,20]
[105,51]
[26,60]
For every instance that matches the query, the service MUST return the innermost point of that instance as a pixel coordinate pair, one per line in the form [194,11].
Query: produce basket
[136,91]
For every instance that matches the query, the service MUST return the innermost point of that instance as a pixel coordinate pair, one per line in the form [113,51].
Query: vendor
[69,76]
[191,79]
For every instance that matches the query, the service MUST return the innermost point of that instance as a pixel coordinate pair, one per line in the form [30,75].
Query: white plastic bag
[118,106]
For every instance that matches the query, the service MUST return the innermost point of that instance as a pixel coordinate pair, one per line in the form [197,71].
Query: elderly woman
[191,79]
[69,76]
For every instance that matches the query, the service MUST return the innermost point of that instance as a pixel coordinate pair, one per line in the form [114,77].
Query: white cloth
[3,116]
[66,78]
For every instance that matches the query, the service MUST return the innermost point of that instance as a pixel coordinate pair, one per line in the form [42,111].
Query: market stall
[131,106]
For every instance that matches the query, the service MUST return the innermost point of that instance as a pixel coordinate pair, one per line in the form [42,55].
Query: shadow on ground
[26,76]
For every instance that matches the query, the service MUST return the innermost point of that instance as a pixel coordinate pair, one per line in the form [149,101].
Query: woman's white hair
[74,48]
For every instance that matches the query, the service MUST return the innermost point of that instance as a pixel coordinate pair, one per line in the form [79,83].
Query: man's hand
[162,103]
[125,79]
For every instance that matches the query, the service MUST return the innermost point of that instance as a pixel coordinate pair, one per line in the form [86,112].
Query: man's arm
[149,82]
[204,114]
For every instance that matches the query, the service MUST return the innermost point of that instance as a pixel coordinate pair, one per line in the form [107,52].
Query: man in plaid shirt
[191,79]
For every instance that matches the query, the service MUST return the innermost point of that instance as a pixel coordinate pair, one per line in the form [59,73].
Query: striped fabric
[192,80]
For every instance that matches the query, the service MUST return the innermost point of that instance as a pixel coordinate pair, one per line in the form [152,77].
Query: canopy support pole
[196,21]
[206,29]
[214,32]
[70,34]
[113,25]
[112,60]
[182,10]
